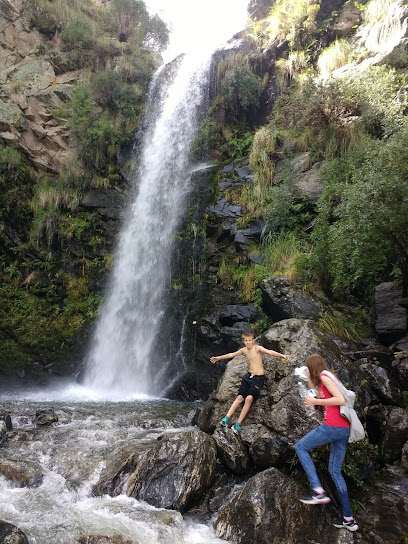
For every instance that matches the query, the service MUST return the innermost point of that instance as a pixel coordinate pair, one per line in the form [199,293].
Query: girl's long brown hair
[316,364]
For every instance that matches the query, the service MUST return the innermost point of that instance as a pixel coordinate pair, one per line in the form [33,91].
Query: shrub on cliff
[361,235]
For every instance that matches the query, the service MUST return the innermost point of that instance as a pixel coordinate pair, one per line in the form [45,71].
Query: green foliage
[79,34]
[330,119]
[359,457]
[242,90]
[294,20]
[361,229]
[32,325]
[207,139]
[353,327]
[98,136]
[237,145]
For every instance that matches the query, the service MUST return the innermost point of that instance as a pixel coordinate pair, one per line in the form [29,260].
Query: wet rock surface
[391,313]
[177,472]
[384,518]
[10,534]
[21,473]
[46,416]
[283,301]
[268,500]
[232,451]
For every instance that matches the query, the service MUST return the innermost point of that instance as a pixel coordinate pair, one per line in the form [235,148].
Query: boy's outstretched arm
[226,356]
[273,353]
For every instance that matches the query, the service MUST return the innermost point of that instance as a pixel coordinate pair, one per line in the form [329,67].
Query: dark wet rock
[404,457]
[381,383]
[283,301]
[266,510]
[243,172]
[232,451]
[387,426]
[400,370]
[401,345]
[236,313]
[10,534]
[224,208]
[45,416]
[6,417]
[106,198]
[244,237]
[175,473]
[228,169]
[391,316]
[375,353]
[118,466]
[384,518]
[21,473]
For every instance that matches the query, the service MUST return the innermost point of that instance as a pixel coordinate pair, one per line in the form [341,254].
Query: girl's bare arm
[336,400]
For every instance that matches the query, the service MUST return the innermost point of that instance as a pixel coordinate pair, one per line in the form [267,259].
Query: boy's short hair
[248,334]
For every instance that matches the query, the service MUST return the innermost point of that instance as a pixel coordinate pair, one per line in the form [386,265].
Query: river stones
[10,534]
[45,416]
[5,416]
[175,473]
[21,473]
[101,539]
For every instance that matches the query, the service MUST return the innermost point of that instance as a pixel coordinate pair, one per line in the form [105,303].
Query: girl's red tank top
[332,415]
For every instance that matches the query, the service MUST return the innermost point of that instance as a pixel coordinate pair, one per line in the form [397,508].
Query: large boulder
[118,466]
[21,473]
[387,426]
[45,416]
[10,534]
[232,451]
[384,518]
[177,472]
[281,300]
[381,383]
[266,511]
[391,313]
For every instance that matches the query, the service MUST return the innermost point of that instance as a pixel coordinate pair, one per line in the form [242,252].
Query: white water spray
[119,364]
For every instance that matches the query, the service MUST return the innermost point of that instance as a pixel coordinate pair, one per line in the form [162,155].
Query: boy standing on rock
[252,382]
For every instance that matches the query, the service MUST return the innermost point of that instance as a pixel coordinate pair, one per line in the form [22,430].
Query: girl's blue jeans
[338,438]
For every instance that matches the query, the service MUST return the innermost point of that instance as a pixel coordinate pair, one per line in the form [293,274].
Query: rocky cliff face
[30,89]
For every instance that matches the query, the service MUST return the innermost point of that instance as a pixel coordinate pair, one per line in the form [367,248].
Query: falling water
[119,363]
[385,26]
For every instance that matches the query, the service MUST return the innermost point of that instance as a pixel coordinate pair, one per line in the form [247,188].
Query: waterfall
[119,364]
[385,25]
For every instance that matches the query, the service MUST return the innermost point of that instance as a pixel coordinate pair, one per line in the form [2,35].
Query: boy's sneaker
[342,523]
[315,498]
[237,429]
[224,422]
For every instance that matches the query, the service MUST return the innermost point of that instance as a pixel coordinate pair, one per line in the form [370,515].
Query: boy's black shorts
[251,384]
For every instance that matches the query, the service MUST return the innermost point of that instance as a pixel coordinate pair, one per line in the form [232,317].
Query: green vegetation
[53,251]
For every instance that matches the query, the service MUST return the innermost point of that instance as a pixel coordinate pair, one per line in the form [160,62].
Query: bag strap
[336,381]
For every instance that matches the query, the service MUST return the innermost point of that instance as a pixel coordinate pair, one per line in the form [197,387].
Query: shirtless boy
[252,382]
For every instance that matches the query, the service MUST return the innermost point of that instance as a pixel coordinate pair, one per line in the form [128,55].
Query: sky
[199,24]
